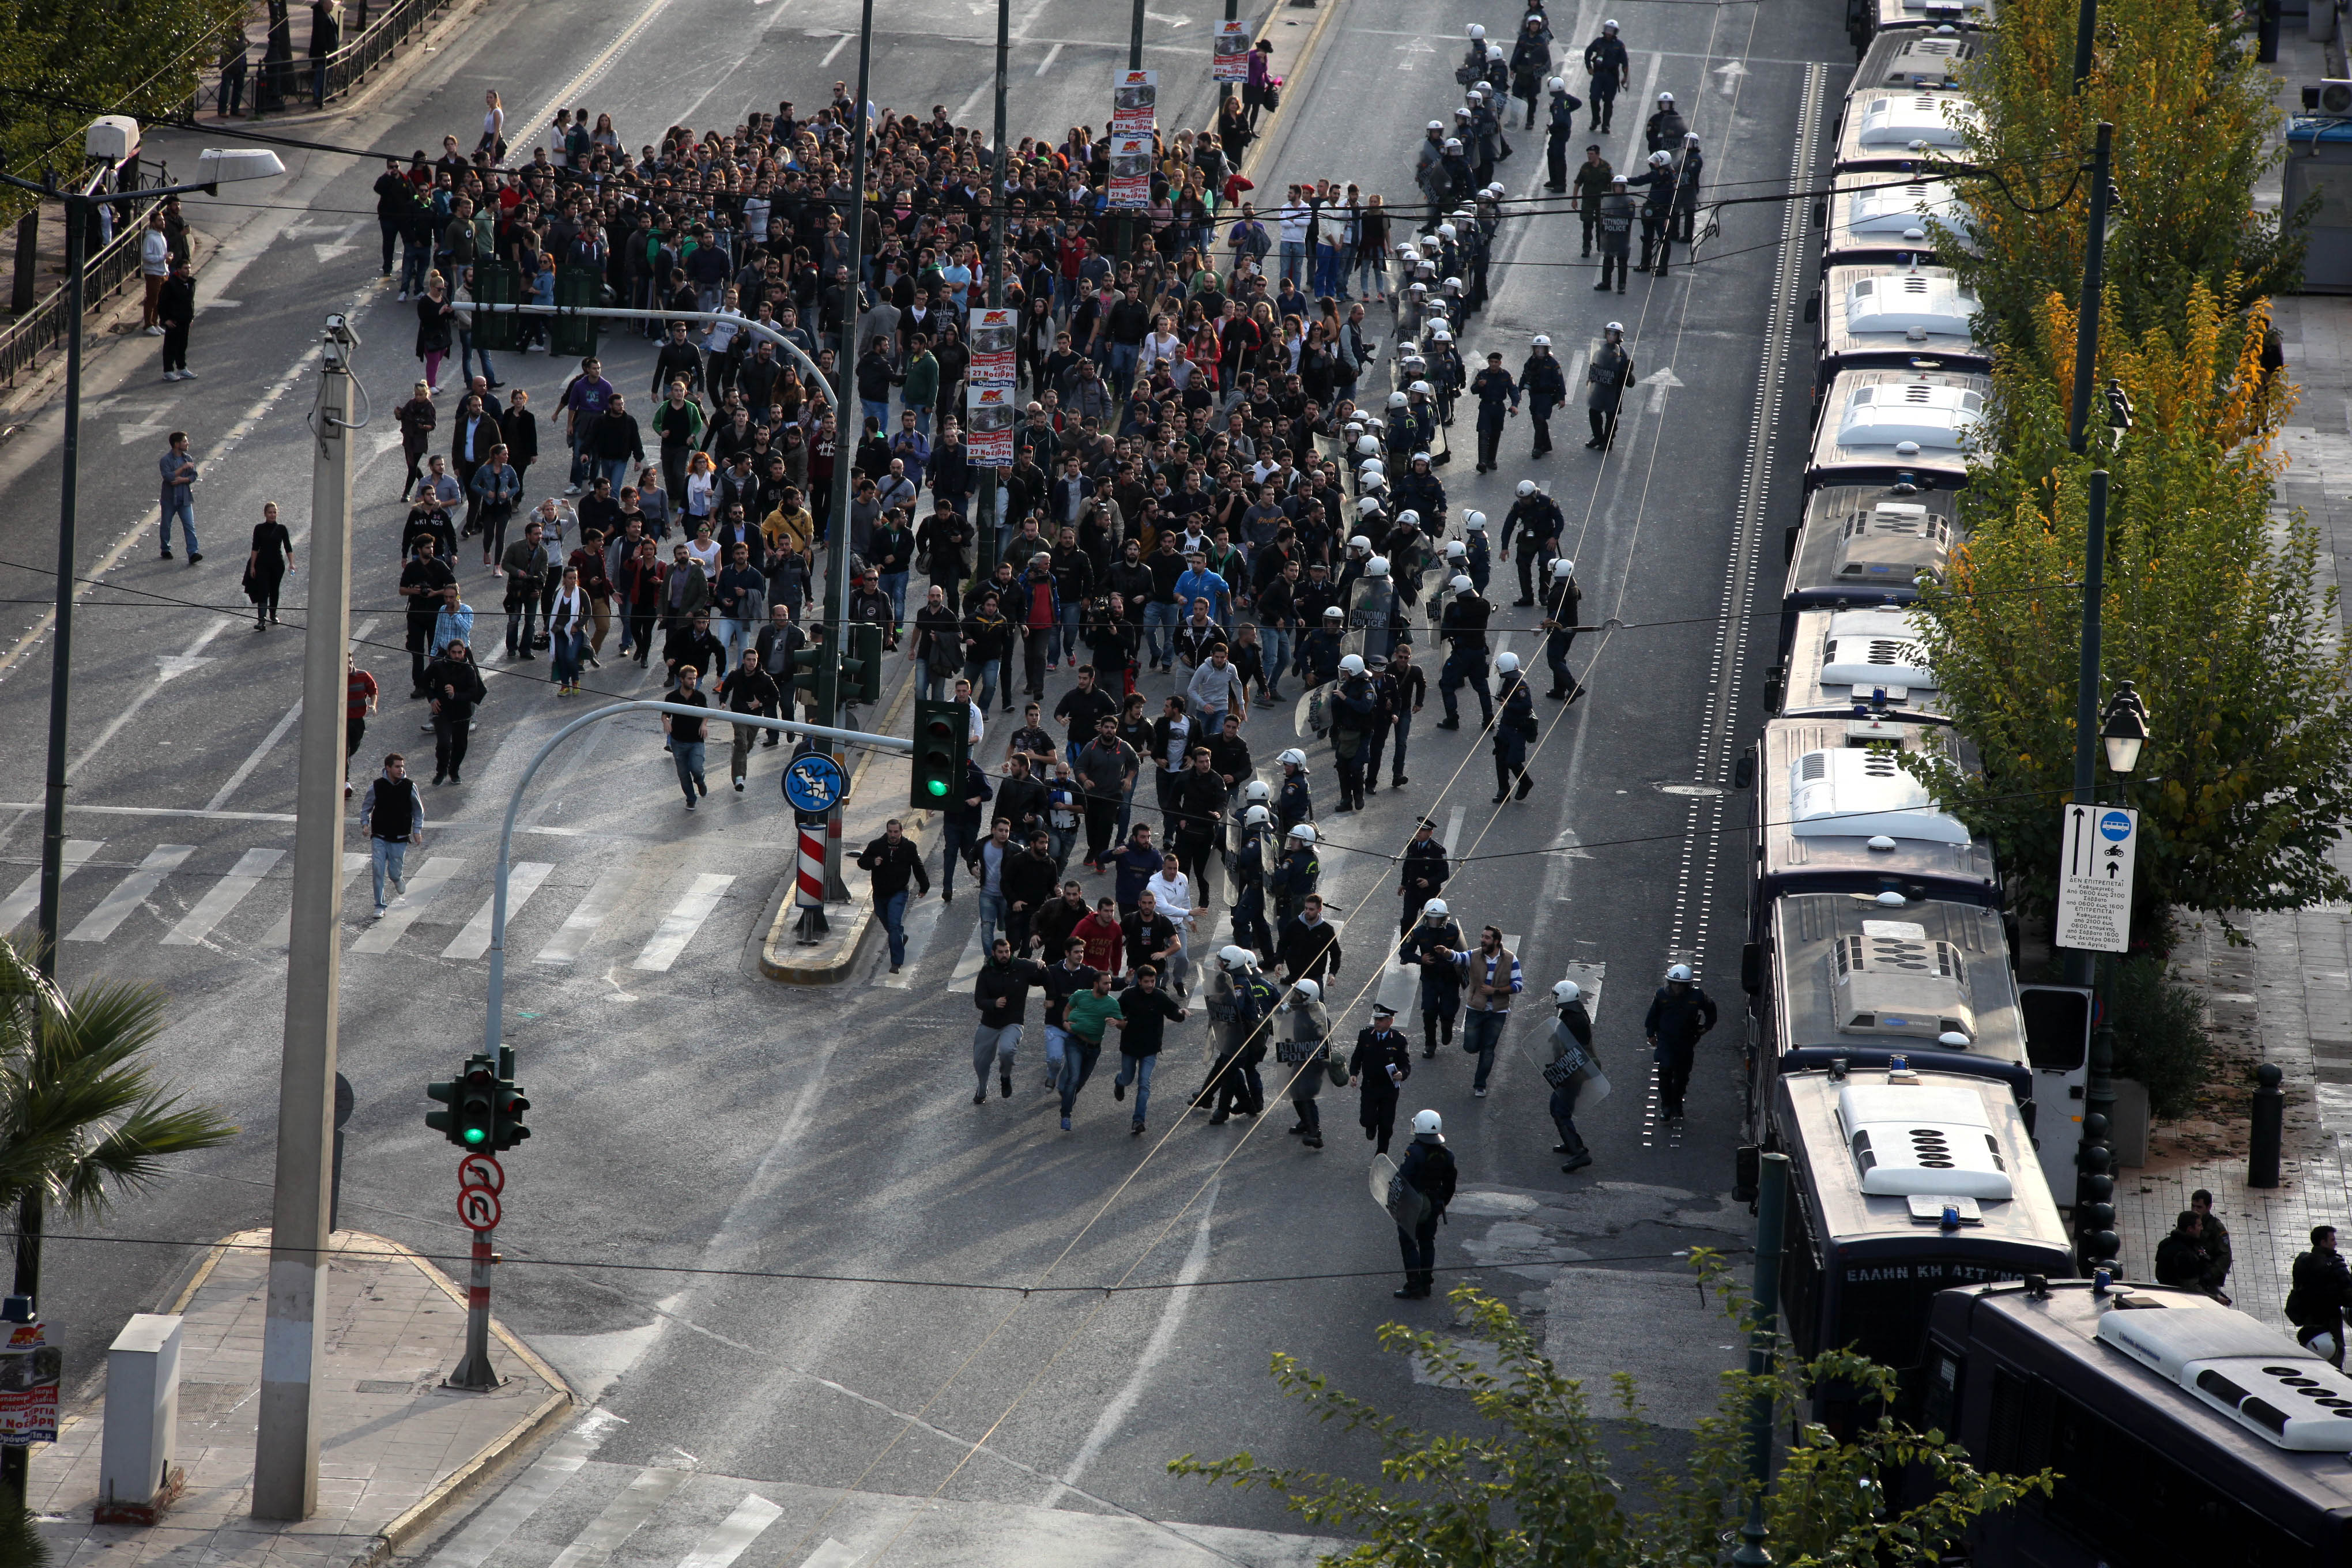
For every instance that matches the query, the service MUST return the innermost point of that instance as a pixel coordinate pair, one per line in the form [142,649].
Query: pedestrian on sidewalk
[1090,1013]
[2180,1258]
[2321,1288]
[2215,1235]
[1002,994]
[1146,1009]
[893,859]
[179,474]
[1378,1066]
[393,816]
[154,267]
[175,308]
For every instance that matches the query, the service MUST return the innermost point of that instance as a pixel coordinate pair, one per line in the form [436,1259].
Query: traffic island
[397,1452]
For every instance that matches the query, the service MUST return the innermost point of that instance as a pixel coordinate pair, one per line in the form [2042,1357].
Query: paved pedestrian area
[397,1448]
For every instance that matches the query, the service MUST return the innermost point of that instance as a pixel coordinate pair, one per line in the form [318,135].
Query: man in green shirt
[1091,1013]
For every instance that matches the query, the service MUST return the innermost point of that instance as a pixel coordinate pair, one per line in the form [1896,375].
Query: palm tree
[82,1121]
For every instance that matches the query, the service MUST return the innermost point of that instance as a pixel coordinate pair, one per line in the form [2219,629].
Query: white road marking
[1047,63]
[522,880]
[968,965]
[839,44]
[1453,831]
[282,934]
[270,742]
[621,1518]
[223,896]
[130,893]
[832,1553]
[20,904]
[922,921]
[423,887]
[735,1533]
[679,926]
[146,694]
[590,912]
[507,1512]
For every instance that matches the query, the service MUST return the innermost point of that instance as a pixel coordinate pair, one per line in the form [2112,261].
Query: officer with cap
[1422,875]
[1378,1066]
[1537,518]
[1657,211]
[1606,379]
[1463,625]
[1498,399]
[1616,224]
[1546,384]
[1426,1176]
[1563,603]
[1513,729]
[1571,1043]
[1557,131]
[1611,70]
[1679,1014]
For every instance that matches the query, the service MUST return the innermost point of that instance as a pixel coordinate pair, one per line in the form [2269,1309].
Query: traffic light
[943,742]
[804,663]
[861,664]
[575,337]
[506,1127]
[471,1100]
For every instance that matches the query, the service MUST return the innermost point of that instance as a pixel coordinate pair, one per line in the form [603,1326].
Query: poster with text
[30,1368]
[994,329]
[1130,171]
[1231,61]
[1135,103]
[990,413]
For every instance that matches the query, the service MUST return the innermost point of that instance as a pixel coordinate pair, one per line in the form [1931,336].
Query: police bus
[1877,215]
[1865,546]
[1888,317]
[1897,425]
[1903,1181]
[1924,62]
[1910,130]
[1868,19]
[1862,663]
[2182,1431]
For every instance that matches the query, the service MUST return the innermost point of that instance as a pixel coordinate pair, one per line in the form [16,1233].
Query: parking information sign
[2094,878]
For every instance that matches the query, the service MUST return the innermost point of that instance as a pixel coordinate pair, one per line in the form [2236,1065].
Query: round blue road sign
[2115,825]
[814,783]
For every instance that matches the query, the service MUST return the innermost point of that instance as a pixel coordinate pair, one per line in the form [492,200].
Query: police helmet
[1462,586]
[1616,179]
[1437,125]
[1368,483]
[1456,551]
[1453,145]
[1294,755]
[1690,138]
[1367,445]
[1477,33]
[1233,957]
[1453,285]
[1441,333]
[1351,665]
[1666,98]
[1661,158]
[1567,991]
[1257,816]
[1506,664]
[1396,400]
[1610,26]
[1416,287]
[1526,489]
[1434,906]
[1680,972]
[1409,517]
[1305,993]
[1446,231]
[1304,833]
[1540,341]
[1421,387]
[1563,567]
[1334,612]
[1495,51]
[1378,566]
[1372,467]
[1475,521]
[1358,542]
[1428,1124]
[1616,327]
[1258,792]
[1556,84]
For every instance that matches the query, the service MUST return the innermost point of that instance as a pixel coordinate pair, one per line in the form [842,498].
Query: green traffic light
[937,786]
[474,1135]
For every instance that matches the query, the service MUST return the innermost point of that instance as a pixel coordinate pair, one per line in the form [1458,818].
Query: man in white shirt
[1172,891]
[1160,347]
[1291,224]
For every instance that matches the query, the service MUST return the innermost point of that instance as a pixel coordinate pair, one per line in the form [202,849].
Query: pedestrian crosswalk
[570,1509]
[649,902]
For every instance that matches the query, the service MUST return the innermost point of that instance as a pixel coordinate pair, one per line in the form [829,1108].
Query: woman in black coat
[435,318]
[416,419]
[266,564]
[521,429]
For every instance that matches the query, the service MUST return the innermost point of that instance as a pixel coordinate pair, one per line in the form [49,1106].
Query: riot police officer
[1557,131]
[1546,384]
[1606,62]
[1616,222]
[1686,188]
[1353,710]
[1498,399]
[1249,876]
[1418,489]
[1606,379]
[1665,129]
[1463,626]
[1537,518]
[1657,211]
[1563,603]
[1513,729]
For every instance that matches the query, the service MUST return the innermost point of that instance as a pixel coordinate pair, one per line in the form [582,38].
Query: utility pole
[834,643]
[2086,24]
[286,1450]
[1127,221]
[990,524]
[1224,88]
[1772,1221]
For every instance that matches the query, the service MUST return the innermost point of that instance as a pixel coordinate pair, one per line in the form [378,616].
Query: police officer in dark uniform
[1686,187]
[1563,603]
[1607,377]
[1616,224]
[1546,384]
[1606,62]
[1426,1171]
[1463,625]
[1557,131]
[1498,399]
[1422,875]
[1537,521]
[1657,211]
[1679,1014]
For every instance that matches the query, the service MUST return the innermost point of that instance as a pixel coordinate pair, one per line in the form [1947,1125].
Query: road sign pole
[475,1371]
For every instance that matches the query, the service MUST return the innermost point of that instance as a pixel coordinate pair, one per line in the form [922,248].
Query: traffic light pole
[475,1372]
[491,1024]
[286,1446]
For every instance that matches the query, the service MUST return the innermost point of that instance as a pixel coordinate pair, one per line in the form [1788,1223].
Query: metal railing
[46,324]
[382,29]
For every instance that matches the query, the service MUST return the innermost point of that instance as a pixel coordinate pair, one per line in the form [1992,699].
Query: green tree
[2211,608]
[2195,124]
[1530,1487]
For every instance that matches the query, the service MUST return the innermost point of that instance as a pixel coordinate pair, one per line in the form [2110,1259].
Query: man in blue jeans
[1145,1011]
[1490,978]
[393,816]
[892,860]
[179,474]
[685,736]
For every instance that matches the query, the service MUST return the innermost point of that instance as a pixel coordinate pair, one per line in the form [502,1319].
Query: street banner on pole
[2094,878]
[994,329]
[1231,61]
[1130,171]
[30,1370]
[989,413]
[1135,103]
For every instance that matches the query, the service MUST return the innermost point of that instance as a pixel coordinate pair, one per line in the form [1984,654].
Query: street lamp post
[241,163]
[988,521]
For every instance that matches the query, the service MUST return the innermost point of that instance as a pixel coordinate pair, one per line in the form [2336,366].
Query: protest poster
[1135,103]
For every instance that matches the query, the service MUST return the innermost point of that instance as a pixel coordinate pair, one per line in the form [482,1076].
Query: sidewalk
[398,1450]
[2287,999]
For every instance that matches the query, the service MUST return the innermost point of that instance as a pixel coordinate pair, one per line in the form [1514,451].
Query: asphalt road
[700,1130]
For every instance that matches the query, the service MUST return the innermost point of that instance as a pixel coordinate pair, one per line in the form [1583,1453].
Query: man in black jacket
[893,859]
[1002,994]
[2322,1289]
[1022,798]
[1423,876]
[1309,946]
[1026,884]
[1426,1171]
[1679,1014]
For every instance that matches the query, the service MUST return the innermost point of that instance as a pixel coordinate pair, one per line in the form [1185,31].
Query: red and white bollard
[475,1371]
[809,887]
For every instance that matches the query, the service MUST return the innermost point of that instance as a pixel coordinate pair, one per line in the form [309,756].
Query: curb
[46,379]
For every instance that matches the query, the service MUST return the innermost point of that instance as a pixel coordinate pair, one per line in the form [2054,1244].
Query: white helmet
[1666,98]
[1351,665]
[1461,585]
[1493,51]
[1446,231]
[1396,400]
[1563,567]
[1421,457]
[1434,906]
[1661,158]
[1475,521]
[1477,33]
[1304,833]
[1421,387]
[1373,464]
[1371,481]
[1506,664]
[1368,504]
[1616,327]
[1453,145]
[1409,517]
[1453,285]
[1567,991]
[1441,333]
[1233,957]
[1360,543]
[1305,993]
[1334,614]
[1690,138]
[1257,816]
[1457,550]
[1540,341]
[1609,26]
[1681,971]
[1495,191]
[1291,755]
[1366,445]
[1428,1122]
[1378,566]
[1436,125]
[1526,489]
[1258,792]
[1556,84]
